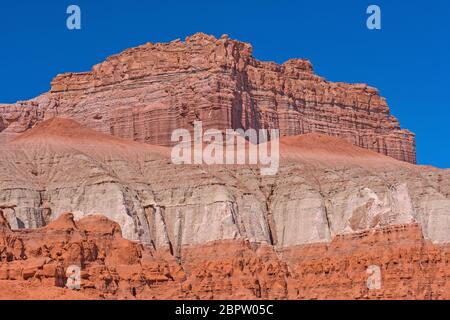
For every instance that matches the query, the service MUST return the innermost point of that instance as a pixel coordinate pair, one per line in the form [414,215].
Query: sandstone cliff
[33,264]
[146,92]
[102,193]
[324,187]
[216,232]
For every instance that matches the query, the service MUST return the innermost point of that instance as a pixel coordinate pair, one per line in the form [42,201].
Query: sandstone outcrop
[33,259]
[141,227]
[86,179]
[324,187]
[32,263]
[145,93]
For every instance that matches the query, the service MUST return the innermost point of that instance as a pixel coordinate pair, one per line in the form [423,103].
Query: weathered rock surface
[216,232]
[103,194]
[324,187]
[145,93]
[411,267]
[32,264]
[31,260]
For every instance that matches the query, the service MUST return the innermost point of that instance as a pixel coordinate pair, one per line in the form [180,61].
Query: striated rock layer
[324,187]
[33,264]
[142,227]
[146,92]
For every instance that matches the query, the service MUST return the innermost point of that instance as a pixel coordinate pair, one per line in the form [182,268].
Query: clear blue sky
[408,60]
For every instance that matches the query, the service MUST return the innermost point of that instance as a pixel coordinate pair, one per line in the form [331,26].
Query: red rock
[4,225]
[411,268]
[29,272]
[15,270]
[145,93]
[4,274]
[49,270]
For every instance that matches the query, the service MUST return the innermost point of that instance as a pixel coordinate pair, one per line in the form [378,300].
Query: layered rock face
[31,260]
[102,192]
[146,92]
[33,264]
[142,227]
[324,187]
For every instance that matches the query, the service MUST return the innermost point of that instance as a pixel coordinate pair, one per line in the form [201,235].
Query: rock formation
[86,180]
[324,187]
[115,268]
[216,232]
[146,92]
[33,259]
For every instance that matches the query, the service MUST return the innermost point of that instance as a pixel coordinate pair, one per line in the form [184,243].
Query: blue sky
[408,59]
